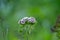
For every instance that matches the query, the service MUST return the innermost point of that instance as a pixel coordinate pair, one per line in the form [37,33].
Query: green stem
[27,38]
[27,30]
[28,27]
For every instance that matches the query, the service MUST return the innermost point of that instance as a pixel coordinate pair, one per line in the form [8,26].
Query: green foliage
[45,12]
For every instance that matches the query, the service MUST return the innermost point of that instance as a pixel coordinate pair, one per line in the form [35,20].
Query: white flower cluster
[27,19]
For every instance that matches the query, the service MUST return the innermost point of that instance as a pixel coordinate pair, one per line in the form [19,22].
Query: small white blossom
[23,20]
[31,20]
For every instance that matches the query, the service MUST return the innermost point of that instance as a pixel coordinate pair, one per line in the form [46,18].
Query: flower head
[23,20]
[31,20]
[27,19]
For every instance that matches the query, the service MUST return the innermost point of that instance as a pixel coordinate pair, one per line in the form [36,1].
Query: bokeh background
[45,12]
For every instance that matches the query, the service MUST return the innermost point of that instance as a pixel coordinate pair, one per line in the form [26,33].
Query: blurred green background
[45,12]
